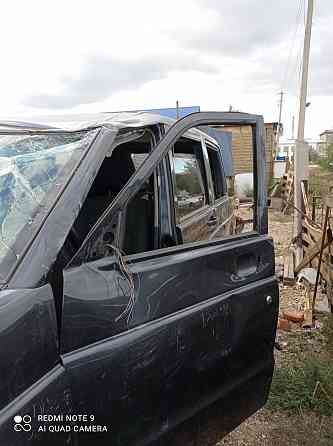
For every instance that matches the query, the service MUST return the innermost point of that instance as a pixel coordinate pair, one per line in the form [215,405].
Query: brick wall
[242,148]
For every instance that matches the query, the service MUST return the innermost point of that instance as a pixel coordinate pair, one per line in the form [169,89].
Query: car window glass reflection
[190,191]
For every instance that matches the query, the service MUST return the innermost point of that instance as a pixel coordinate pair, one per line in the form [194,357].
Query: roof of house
[326,131]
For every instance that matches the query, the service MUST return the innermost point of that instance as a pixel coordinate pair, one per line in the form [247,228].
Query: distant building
[326,138]
[287,148]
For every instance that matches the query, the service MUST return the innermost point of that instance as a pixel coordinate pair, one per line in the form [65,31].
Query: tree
[313,156]
[327,162]
[188,179]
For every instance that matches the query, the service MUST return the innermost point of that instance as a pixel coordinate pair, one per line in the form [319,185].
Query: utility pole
[177,110]
[301,158]
[293,128]
[280,117]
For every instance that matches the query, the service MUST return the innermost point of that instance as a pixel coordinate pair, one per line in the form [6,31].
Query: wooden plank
[324,268]
[305,199]
[275,190]
[276,203]
[307,238]
[310,255]
[315,231]
[308,308]
[287,190]
[288,269]
[329,291]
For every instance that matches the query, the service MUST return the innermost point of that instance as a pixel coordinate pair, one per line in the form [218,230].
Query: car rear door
[201,321]
[223,202]
[209,214]
[196,216]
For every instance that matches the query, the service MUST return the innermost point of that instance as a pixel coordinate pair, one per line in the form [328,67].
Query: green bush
[327,162]
[248,191]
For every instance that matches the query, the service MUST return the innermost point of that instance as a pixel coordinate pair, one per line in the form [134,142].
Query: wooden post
[301,155]
[314,202]
[308,306]
[329,204]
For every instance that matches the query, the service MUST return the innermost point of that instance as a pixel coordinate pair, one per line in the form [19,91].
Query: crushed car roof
[79,122]
[85,121]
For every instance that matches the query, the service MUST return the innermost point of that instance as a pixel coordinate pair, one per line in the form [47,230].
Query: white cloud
[110,55]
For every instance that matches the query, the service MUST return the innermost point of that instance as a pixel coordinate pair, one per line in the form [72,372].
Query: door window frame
[155,137]
[112,215]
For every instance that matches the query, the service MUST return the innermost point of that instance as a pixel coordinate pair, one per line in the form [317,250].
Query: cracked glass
[33,170]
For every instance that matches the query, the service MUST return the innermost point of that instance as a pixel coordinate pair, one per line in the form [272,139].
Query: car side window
[216,167]
[138,216]
[189,178]
[139,224]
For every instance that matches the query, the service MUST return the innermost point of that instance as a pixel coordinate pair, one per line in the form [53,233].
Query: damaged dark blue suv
[128,300]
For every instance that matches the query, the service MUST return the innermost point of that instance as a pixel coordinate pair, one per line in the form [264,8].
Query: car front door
[161,334]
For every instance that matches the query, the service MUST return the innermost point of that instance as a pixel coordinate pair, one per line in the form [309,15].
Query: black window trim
[154,138]
[209,145]
[208,172]
[190,246]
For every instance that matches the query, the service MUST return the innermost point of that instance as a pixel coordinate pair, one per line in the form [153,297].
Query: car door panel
[199,226]
[166,281]
[152,377]
[50,396]
[199,322]
[32,380]
[196,323]
[28,326]
[224,212]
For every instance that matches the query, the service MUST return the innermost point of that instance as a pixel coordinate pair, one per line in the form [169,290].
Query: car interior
[114,173]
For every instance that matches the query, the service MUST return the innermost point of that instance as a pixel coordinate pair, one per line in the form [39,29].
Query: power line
[297,67]
[292,46]
[280,115]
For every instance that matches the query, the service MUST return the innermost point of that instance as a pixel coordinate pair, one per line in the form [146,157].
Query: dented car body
[126,294]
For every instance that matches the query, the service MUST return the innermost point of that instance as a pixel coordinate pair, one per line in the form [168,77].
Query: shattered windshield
[33,168]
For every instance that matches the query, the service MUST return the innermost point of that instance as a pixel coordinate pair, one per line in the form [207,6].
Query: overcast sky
[69,56]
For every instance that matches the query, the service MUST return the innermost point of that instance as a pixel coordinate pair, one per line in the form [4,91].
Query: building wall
[327,137]
[288,148]
[242,153]
[271,148]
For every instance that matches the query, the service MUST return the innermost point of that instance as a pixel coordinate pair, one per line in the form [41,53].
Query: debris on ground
[294,316]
